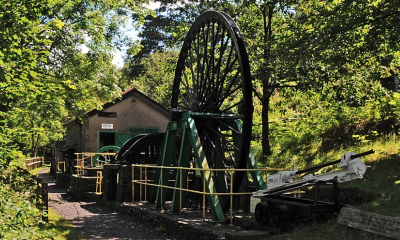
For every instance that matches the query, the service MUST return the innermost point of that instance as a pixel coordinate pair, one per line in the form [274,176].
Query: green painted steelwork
[105,149]
[162,175]
[252,164]
[215,205]
[181,181]
[191,143]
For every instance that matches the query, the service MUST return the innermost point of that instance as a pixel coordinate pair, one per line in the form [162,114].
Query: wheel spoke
[221,100]
[217,154]
[222,137]
[217,71]
[213,76]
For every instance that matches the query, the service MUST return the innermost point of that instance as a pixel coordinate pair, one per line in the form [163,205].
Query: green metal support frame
[191,142]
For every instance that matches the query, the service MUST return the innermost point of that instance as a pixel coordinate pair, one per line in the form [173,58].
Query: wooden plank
[370,222]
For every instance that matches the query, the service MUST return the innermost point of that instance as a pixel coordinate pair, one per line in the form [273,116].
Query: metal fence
[143,180]
[84,161]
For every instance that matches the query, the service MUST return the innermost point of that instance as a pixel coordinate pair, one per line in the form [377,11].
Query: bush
[19,217]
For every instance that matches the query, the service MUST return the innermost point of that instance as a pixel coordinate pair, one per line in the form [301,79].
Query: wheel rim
[213,77]
[262,213]
[145,150]
[105,158]
[118,157]
[282,217]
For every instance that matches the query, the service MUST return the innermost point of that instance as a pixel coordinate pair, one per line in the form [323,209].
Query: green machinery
[212,113]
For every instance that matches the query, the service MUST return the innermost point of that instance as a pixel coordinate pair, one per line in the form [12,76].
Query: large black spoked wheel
[146,150]
[213,80]
[140,149]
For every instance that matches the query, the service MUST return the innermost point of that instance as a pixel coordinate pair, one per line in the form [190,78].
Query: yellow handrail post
[204,196]
[161,190]
[231,196]
[83,165]
[140,183]
[145,185]
[180,192]
[133,183]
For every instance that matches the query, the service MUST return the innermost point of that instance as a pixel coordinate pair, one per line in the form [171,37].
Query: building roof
[128,93]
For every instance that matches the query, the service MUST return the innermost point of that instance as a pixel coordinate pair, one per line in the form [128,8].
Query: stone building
[134,113]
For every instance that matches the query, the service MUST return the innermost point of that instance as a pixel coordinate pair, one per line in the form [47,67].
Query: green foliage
[55,63]
[60,228]
[309,126]
[157,78]
[19,217]
[47,77]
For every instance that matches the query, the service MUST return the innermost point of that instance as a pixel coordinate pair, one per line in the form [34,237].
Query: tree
[308,44]
[157,78]
[166,29]
[43,67]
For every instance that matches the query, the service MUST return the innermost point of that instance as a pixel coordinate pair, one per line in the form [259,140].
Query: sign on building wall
[107,126]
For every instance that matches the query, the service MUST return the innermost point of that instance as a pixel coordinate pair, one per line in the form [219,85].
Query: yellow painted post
[78,164]
[161,190]
[97,182]
[231,203]
[101,179]
[204,196]
[145,185]
[180,192]
[82,164]
[140,183]
[133,183]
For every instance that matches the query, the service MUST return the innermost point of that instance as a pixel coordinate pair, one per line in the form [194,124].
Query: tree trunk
[267,13]
[266,148]
[34,148]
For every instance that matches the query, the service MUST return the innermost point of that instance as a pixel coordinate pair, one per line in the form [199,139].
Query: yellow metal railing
[145,182]
[99,181]
[88,156]
[58,166]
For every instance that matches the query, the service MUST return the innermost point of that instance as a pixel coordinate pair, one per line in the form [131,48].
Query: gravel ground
[93,221]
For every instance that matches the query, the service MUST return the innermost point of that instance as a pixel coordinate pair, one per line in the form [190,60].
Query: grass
[60,228]
[381,180]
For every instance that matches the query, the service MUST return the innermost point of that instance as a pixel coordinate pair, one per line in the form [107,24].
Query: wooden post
[42,198]
[45,199]
[38,191]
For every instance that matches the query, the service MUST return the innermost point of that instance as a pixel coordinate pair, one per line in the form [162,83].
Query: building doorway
[106,139]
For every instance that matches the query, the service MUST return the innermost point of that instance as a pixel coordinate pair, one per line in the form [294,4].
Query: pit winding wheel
[213,78]
[211,113]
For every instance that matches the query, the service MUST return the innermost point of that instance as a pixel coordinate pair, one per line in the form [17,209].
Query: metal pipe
[334,162]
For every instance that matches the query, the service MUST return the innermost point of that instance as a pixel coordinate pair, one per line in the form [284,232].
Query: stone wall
[172,226]
[63,180]
[124,188]
[110,173]
[74,135]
